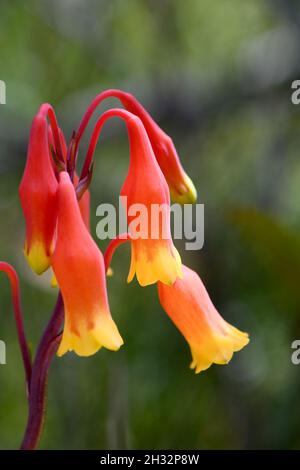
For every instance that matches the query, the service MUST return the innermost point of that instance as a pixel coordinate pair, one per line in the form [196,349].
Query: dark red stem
[46,109]
[116,112]
[128,101]
[46,350]
[113,245]
[90,110]
[16,299]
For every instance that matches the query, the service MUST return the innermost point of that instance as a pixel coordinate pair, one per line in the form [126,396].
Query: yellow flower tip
[171,268]
[53,282]
[83,344]
[187,193]
[87,341]
[37,257]
[132,268]
[218,349]
[107,333]
[109,272]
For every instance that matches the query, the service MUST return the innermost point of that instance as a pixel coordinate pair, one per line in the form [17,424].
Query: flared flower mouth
[85,339]
[217,348]
[153,261]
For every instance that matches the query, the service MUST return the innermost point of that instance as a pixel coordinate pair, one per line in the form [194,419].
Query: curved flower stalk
[80,273]
[153,257]
[36,373]
[16,300]
[211,339]
[181,186]
[112,246]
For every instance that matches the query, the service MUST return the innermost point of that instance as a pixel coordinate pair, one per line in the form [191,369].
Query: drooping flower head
[37,194]
[181,186]
[211,339]
[79,269]
[153,254]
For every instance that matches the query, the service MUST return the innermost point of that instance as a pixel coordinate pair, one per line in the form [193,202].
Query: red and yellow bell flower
[38,196]
[79,269]
[211,339]
[153,254]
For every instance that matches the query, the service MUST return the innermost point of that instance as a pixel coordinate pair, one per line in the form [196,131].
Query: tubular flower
[37,194]
[211,339]
[181,186]
[79,269]
[153,255]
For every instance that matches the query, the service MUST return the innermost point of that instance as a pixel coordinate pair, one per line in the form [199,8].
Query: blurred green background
[217,77]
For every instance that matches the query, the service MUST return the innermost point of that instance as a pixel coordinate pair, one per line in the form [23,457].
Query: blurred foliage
[217,77]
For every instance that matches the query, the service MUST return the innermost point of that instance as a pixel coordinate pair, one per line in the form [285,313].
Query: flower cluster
[55,203]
